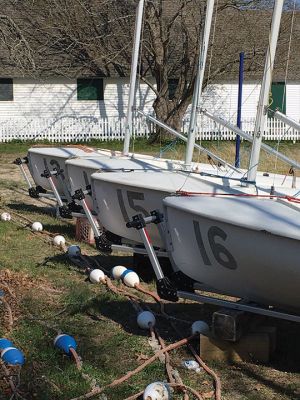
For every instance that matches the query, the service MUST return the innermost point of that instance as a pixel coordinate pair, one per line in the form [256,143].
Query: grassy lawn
[50,295]
[225,150]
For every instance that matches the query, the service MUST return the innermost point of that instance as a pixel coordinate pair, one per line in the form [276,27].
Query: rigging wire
[212,43]
[233,114]
[285,82]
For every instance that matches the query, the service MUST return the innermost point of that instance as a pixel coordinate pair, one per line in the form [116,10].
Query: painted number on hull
[220,253]
[132,197]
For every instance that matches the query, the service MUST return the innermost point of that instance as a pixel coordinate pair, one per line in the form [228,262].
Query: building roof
[27,51]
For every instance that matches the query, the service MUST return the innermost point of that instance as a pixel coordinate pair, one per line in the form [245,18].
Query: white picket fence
[69,129]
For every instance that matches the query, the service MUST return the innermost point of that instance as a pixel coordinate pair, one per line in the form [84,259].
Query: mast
[239,110]
[199,83]
[264,91]
[133,73]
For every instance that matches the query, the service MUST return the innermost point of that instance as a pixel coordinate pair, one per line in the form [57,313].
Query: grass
[224,149]
[54,296]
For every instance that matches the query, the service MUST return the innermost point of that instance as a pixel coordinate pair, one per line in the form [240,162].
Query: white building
[64,107]
[74,107]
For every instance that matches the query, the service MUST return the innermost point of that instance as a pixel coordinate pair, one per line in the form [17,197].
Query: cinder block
[228,324]
[254,346]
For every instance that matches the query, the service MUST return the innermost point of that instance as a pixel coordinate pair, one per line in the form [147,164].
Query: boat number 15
[132,197]
[220,253]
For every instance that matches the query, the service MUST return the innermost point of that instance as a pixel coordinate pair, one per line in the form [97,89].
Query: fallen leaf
[142,357]
[208,395]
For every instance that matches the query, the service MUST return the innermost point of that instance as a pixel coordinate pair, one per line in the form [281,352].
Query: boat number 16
[220,253]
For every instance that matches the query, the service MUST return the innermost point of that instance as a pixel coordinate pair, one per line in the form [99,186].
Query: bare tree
[78,38]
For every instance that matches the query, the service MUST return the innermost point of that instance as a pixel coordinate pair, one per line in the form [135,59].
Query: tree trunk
[170,115]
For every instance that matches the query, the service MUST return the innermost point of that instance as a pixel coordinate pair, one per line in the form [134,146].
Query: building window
[278,101]
[6,89]
[90,89]
[172,86]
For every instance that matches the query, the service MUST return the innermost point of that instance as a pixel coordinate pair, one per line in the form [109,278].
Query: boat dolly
[65,211]
[181,286]
[34,192]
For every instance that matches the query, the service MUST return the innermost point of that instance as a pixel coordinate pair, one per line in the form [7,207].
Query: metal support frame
[19,162]
[64,210]
[184,138]
[287,120]
[264,91]
[137,250]
[197,96]
[133,73]
[165,289]
[79,196]
[248,137]
[102,243]
[168,291]
[248,307]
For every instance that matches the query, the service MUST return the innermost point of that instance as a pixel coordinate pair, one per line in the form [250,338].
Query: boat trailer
[181,286]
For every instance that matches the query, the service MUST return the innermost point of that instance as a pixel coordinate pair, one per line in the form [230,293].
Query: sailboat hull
[42,158]
[120,196]
[79,170]
[238,257]
[117,204]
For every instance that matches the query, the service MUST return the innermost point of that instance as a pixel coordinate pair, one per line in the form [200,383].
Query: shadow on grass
[287,355]
[31,208]
[282,388]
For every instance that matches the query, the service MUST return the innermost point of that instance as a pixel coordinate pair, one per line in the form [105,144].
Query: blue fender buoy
[5,343]
[125,273]
[130,278]
[65,342]
[12,356]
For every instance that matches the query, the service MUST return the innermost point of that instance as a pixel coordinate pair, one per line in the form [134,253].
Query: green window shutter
[90,89]
[6,89]
[278,97]
[172,86]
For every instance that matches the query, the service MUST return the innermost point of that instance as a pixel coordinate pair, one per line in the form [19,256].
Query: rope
[76,358]
[170,146]
[199,360]
[211,194]
[140,368]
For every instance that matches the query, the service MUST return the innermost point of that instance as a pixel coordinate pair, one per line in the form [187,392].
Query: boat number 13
[220,253]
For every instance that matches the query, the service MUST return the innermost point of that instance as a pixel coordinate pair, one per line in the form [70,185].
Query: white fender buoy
[74,250]
[144,319]
[96,276]
[37,227]
[200,327]
[130,278]
[5,216]
[117,271]
[157,391]
[59,240]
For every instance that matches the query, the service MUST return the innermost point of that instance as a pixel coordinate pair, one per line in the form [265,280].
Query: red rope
[267,196]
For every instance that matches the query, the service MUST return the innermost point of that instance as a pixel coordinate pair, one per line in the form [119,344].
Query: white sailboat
[109,189]
[239,238]
[63,170]
[243,247]
[52,159]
